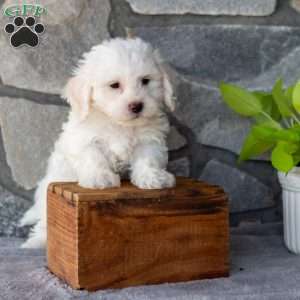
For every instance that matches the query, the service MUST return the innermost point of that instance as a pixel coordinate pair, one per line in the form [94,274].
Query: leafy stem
[271,119]
[277,122]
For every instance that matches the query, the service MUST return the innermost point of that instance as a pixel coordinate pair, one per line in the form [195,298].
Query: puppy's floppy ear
[169,98]
[78,94]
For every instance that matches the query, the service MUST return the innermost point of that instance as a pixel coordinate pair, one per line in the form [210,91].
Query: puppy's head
[125,79]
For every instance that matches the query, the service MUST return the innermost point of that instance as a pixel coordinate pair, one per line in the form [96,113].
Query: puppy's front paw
[101,180]
[153,179]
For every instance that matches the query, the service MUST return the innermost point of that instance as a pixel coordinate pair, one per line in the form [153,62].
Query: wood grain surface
[127,236]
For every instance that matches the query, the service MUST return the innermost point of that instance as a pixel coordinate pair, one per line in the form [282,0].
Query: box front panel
[122,251]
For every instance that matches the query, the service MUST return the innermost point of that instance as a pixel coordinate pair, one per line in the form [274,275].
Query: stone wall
[250,43]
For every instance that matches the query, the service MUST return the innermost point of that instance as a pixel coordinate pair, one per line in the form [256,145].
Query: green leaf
[289,93]
[269,107]
[290,147]
[240,100]
[265,132]
[296,158]
[262,118]
[281,100]
[253,147]
[287,135]
[296,129]
[296,97]
[281,157]
[261,93]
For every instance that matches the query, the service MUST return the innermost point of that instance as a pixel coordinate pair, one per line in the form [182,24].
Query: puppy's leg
[94,169]
[33,214]
[37,214]
[38,236]
[148,167]
[58,170]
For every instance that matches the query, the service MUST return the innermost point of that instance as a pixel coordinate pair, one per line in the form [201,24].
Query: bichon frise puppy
[117,123]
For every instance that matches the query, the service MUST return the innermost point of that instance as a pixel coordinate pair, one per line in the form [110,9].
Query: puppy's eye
[145,81]
[115,85]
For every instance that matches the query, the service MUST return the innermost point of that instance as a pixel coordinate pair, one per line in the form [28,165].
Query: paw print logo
[24,31]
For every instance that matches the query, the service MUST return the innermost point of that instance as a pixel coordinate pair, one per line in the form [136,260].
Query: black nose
[136,107]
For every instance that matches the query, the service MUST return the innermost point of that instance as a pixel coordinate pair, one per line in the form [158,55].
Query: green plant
[276,117]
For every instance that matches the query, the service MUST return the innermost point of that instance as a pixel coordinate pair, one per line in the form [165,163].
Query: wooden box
[127,236]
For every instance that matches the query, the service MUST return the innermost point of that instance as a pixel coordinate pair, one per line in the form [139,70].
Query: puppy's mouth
[133,120]
[136,116]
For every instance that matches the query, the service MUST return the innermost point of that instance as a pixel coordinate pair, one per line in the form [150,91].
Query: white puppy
[116,124]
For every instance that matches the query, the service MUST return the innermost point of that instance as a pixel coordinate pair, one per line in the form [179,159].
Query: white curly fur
[103,138]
